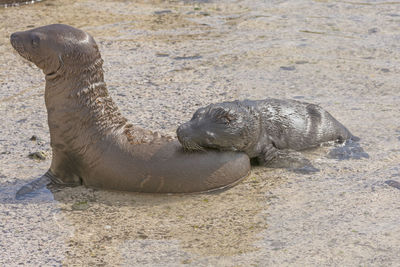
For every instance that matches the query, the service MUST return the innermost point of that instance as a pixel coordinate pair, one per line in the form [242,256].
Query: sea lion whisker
[198,147]
[191,146]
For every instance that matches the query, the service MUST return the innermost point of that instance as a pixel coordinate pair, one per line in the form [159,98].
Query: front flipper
[33,186]
[285,158]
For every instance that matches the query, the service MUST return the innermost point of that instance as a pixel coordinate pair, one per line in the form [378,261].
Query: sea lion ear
[53,66]
[35,41]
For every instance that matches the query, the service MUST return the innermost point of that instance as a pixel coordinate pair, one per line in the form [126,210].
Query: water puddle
[110,226]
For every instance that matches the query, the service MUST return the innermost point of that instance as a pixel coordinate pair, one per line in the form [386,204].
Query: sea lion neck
[75,76]
[79,95]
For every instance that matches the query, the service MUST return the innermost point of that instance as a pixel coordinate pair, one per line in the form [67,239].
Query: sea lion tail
[355,138]
[33,186]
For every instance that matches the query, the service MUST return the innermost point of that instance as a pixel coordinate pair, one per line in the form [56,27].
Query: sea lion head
[55,47]
[223,126]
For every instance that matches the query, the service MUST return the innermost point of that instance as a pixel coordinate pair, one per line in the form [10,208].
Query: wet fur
[261,127]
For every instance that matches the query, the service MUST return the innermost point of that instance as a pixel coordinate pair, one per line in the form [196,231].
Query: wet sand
[163,60]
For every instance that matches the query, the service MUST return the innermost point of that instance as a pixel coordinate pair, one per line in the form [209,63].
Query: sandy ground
[163,60]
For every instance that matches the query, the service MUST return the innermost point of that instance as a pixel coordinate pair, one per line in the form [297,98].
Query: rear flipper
[350,149]
[33,186]
[285,158]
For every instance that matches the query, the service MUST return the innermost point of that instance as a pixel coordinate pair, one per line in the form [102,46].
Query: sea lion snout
[13,38]
[16,42]
[183,132]
[26,43]
[185,135]
[188,131]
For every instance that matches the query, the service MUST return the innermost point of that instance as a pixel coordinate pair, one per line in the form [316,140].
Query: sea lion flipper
[33,186]
[285,158]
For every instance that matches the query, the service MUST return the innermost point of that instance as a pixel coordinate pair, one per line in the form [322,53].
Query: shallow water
[163,60]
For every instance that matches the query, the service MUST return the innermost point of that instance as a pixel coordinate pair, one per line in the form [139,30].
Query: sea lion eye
[228,118]
[35,41]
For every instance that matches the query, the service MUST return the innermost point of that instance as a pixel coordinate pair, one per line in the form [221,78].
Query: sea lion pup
[92,143]
[269,130]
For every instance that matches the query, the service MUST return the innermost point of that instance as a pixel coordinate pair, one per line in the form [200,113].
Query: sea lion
[270,130]
[92,143]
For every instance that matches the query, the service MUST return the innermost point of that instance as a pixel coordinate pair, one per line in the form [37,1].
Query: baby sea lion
[92,143]
[270,130]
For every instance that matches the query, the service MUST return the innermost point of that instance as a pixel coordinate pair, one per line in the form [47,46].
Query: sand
[163,60]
